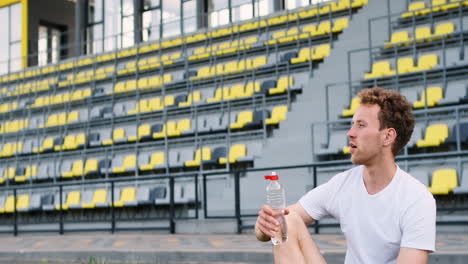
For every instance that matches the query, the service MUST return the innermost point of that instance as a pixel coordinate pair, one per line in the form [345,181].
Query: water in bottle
[277,201]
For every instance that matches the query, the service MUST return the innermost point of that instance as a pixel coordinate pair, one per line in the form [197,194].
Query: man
[386,215]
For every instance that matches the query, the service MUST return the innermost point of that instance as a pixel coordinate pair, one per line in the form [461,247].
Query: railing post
[112,208]
[171,206]
[15,215]
[237,201]
[61,210]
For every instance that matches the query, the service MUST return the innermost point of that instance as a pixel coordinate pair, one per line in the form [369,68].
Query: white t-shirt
[376,226]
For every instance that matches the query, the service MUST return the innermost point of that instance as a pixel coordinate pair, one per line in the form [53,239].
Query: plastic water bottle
[277,200]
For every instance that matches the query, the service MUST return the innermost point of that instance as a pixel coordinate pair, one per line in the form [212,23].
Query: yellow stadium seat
[434,137]
[340,25]
[380,69]
[129,164]
[203,154]
[73,117]
[321,52]
[193,97]
[155,160]
[99,197]
[422,34]
[323,28]
[91,166]
[235,152]
[278,114]
[243,118]
[128,195]
[416,8]
[443,181]
[398,38]
[308,31]
[444,29]
[73,198]
[282,86]
[220,94]
[9,205]
[355,102]
[346,150]
[304,55]
[52,120]
[144,131]
[434,95]
[406,65]
[427,62]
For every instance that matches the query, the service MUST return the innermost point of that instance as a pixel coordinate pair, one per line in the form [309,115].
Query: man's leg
[300,248]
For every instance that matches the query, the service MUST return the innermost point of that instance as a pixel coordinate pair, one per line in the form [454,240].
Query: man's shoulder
[412,189]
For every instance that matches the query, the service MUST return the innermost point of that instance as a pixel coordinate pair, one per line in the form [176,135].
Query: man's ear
[390,136]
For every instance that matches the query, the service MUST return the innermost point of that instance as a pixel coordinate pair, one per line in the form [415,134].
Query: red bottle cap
[271,177]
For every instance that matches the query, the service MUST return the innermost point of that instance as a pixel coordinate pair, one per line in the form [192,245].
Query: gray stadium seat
[453,93]
[421,175]
[35,203]
[253,150]
[86,197]
[143,196]
[338,140]
[48,201]
[463,186]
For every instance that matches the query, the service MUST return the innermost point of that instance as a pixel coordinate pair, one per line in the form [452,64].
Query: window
[291,4]
[10,42]
[110,25]
[48,45]
[222,12]
[167,18]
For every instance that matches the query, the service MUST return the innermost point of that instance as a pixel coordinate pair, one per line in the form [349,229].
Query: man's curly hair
[395,112]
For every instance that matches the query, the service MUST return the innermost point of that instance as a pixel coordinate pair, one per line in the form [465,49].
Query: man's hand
[267,225]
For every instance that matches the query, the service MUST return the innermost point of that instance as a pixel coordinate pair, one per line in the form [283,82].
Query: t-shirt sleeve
[315,201]
[419,224]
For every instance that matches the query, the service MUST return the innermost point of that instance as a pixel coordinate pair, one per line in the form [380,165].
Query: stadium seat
[406,65]
[192,98]
[118,136]
[434,95]
[443,181]
[355,102]
[278,114]
[156,161]
[427,62]
[340,24]
[9,205]
[76,170]
[203,154]
[243,118]
[219,95]
[380,69]
[129,165]
[91,167]
[398,38]
[235,152]
[283,84]
[416,9]
[73,199]
[22,203]
[99,200]
[127,197]
[463,188]
[435,136]
[422,34]
[443,30]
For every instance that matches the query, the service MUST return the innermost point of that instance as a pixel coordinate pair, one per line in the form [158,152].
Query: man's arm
[413,256]
[267,225]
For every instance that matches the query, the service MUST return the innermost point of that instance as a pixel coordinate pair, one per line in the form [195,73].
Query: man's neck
[378,175]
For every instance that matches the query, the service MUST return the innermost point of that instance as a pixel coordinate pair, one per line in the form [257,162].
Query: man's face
[365,138]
